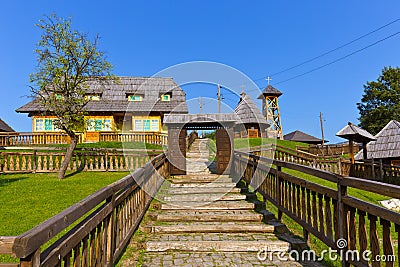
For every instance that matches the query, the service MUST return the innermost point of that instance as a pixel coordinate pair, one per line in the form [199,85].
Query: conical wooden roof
[270,91]
[355,133]
[248,112]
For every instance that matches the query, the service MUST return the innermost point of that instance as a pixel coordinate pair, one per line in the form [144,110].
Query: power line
[339,59]
[330,51]
[335,49]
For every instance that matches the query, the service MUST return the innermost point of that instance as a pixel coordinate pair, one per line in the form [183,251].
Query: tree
[67,61]
[380,102]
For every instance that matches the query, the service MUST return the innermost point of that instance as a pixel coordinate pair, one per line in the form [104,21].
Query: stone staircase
[202,219]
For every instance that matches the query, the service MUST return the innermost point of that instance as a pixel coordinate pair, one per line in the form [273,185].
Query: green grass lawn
[29,199]
[253,142]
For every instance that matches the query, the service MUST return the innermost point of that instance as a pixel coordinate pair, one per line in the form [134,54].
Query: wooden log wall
[329,214]
[107,220]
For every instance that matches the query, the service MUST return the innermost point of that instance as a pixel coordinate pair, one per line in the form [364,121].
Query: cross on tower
[269,79]
[242,88]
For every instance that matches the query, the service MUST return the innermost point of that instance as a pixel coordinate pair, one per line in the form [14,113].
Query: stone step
[218,205]
[182,191]
[200,180]
[194,176]
[205,197]
[209,216]
[202,185]
[220,246]
[209,227]
[216,242]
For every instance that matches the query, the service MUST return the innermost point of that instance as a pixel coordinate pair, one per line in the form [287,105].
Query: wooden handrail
[327,213]
[129,196]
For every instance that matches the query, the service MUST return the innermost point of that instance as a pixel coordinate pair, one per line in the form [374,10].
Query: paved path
[202,219]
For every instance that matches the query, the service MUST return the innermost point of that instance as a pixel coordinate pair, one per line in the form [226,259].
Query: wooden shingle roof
[269,91]
[4,127]
[387,144]
[299,136]
[355,133]
[248,112]
[114,96]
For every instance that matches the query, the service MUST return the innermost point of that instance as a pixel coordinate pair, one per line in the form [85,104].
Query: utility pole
[201,112]
[201,105]
[219,98]
[322,128]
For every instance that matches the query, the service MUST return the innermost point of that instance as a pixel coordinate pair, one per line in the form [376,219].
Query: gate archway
[178,124]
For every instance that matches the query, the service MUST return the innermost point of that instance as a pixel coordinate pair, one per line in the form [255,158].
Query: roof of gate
[200,119]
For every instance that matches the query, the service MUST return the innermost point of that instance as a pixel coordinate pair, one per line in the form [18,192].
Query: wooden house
[386,146]
[4,127]
[299,136]
[130,105]
[251,122]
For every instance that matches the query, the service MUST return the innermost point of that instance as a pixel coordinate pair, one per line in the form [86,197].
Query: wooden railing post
[110,233]
[381,170]
[34,165]
[32,260]
[279,191]
[342,218]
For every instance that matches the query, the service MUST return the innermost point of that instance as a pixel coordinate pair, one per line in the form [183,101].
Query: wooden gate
[177,150]
[224,140]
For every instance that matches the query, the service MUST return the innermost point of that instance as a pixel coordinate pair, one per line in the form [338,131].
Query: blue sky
[258,38]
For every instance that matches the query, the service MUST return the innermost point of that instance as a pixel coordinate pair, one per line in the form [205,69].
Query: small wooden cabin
[251,122]
[387,145]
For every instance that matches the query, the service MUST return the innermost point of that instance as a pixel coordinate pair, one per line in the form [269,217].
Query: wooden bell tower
[271,111]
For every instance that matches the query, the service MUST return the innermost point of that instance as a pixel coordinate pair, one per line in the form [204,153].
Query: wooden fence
[329,214]
[329,150]
[105,222]
[370,170]
[35,162]
[28,139]
[151,138]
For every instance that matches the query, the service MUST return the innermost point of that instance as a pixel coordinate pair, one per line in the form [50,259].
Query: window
[92,97]
[90,125]
[166,97]
[98,125]
[146,125]
[39,125]
[135,98]
[46,124]
[107,125]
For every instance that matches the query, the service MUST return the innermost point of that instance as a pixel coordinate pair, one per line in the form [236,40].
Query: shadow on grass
[6,181]
[79,170]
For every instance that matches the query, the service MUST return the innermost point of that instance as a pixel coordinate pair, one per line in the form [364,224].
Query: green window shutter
[48,125]
[98,125]
[147,126]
